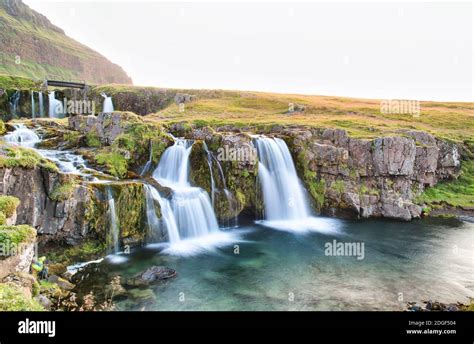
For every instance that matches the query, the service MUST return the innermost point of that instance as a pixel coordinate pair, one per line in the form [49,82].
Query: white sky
[374,50]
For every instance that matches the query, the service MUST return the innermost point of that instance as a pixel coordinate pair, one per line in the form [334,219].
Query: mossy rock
[12,298]
[8,205]
[16,234]
[11,157]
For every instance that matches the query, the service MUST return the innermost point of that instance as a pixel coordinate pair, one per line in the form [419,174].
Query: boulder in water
[152,275]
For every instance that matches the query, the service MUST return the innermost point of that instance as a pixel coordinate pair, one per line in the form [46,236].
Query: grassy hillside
[33,47]
[360,117]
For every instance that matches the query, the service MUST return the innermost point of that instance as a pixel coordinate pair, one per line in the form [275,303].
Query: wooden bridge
[66,84]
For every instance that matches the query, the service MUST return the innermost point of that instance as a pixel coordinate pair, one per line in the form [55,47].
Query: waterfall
[167,217]
[22,136]
[229,196]
[66,161]
[13,102]
[108,105]
[188,214]
[191,206]
[55,106]
[113,245]
[40,104]
[209,163]
[32,104]
[148,164]
[283,195]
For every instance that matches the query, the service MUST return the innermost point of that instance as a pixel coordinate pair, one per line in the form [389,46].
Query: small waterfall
[167,217]
[13,102]
[108,105]
[33,115]
[66,161]
[191,207]
[113,245]
[40,104]
[55,106]
[229,196]
[22,136]
[209,163]
[148,164]
[283,195]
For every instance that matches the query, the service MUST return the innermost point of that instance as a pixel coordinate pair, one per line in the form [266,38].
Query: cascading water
[13,102]
[189,216]
[148,164]
[113,237]
[167,218]
[284,198]
[66,161]
[33,114]
[22,136]
[55,106]
[40,104]
[108,105]
[229,196]
[191,206]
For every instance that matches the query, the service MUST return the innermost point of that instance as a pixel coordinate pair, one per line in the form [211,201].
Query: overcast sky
[373,50]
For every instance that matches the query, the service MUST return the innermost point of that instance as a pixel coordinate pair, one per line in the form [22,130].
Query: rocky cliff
[371,178]
[344,176]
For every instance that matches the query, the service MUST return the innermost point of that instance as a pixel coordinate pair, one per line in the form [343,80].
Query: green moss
[15,82]
[3,129]
[137,139]
[3,218]
[364,190]
[130,206]
[12,298]
[26,158]
[317,189]
[16,234]
[93,140]
[459,192]
[339,186]
[85,251]
[62,192]
[115,162]
[8,205]
[73,138]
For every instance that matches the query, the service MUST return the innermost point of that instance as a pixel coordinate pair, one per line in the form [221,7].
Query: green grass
[115,162]
[361,118]
[13,299]
[14,82]
[8,205]
[93,140]
[459,192]
[62,192]
[16,234]
[12,157]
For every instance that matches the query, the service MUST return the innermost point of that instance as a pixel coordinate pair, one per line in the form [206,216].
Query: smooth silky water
[423,260]
[280,263]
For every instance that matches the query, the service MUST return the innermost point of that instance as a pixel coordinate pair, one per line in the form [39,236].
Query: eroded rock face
[107,126]
[83,215]
[371,178]
[61,219]
[20,262]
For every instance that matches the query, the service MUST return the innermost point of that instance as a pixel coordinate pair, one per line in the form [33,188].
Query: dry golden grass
[360,117]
